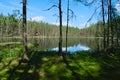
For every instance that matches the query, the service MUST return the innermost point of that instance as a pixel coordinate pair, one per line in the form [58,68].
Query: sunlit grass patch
[30,45]
[8,53]
[20,71]
[9,43]
[56,71]
[44,59]
[42,74]
[50,66]
[3,73]
[85,68]
[85,65]
[91,67]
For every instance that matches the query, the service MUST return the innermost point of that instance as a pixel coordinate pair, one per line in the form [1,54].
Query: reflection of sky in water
[74,48]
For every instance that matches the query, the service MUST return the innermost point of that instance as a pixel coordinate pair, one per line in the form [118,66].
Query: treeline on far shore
[12,26]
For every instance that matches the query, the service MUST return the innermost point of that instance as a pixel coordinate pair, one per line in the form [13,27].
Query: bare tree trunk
[111,26]
[103,16]
[108,24]
[60,37]
[67,24]
[24,34]
[117,33]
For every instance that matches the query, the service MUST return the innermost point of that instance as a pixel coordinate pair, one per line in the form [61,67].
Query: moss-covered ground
[84,65]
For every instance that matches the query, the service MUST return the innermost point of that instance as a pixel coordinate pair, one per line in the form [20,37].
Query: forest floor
[84,65]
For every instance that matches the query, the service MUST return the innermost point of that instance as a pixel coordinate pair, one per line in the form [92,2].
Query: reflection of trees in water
[47,43]
[44,43]
[93,43]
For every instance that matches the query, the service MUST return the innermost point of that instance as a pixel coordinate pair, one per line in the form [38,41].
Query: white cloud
[57,23]
[117,6]
[63,23]
[83,25]
[38,18]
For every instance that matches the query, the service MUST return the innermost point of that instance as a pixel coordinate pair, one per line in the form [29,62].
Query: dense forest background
[12,26]
[31,50]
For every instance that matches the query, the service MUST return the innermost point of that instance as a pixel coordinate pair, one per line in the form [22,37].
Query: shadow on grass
[50,66]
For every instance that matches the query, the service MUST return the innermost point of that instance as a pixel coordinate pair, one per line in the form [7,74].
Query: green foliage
[11,26]
[49,66]
[94,30]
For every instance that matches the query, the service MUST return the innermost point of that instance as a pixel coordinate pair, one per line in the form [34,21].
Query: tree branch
[92,16]
[72,14]
[51,7]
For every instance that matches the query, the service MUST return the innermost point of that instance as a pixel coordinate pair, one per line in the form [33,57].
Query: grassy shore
[83,65]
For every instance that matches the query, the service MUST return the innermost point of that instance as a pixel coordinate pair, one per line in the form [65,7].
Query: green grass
[49,66]
[20,37]
[10,43]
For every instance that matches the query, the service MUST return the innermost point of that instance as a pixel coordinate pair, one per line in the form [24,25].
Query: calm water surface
[51,44]
[73,48]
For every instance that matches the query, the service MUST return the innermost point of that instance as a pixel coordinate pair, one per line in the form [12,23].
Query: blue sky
[35,11]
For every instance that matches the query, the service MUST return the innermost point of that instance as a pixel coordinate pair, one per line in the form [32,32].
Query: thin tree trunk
[60,37]
[117,37]
[24,34]
[67,25]
[111,26]
[108,24]
[103,16]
